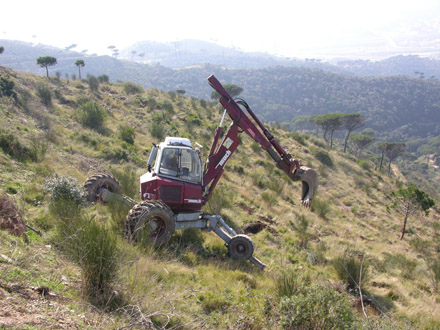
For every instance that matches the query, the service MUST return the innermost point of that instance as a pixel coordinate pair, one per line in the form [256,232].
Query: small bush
[316,307]
[94,248]
[7,88]
[300,138]
[348,269]
[193,120]
[116,154]
[212,303]
[301,227]
[132,88]
[45,94]
[322,155]
[103,79]
[93,83]
[91,115]
[203,103]
[127,134]
[320,207]
[434,268]
[14,148]
[66,197]
[364,164]
[157,129]
[288,282]
[269,198]
[128,180]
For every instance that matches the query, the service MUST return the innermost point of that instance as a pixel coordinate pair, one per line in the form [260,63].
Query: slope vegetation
[77,131]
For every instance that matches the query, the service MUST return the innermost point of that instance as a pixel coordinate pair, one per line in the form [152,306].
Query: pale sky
[288,28]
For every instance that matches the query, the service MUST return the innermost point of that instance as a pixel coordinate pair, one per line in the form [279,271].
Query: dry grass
[189,285]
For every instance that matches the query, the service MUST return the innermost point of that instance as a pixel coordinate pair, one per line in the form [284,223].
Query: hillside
[398,107]
[191,283]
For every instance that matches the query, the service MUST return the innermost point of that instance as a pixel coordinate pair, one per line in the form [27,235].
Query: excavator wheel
[240,247]
[97,182]
[151,222]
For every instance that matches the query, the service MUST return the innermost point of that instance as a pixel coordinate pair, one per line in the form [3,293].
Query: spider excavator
[176,185]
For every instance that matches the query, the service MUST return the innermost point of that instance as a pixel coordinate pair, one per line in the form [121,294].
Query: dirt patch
[10,219]
[254,227]
[246,208]
[268,220]
[259,225]
[22,307]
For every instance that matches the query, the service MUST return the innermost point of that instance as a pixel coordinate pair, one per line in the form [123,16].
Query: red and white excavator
[177,185]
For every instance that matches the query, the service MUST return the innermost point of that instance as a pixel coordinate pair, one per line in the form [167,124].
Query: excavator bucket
[309,180]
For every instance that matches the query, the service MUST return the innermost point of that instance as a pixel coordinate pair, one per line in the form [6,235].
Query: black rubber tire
[101,180]
[240,247]
[153,214]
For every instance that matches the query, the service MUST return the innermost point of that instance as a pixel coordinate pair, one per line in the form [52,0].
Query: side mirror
[152,157]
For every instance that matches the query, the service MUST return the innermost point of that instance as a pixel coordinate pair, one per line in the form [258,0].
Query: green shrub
[288,282]
[434,268]
[66,197]
[316,307]
[168,107]
[157,129]
[320,207]
[116,154]
[45,94]
[128,180]
[300,138]
[203,103]
[7,88]
[348,269]
[301,227]
[10,145]
[93,83]
[269,198]
[212,303]
[364,164]
[127,134]
[192,119]
[322,155]
[132,88]
[95,250]
[91,115]
[103,79]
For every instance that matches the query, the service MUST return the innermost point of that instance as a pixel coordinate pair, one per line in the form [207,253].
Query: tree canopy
[232,89]
[411,200]
[360,142]
[45,62]
[351,122]
[80,64]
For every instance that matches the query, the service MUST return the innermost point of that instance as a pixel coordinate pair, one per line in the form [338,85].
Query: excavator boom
[220,152]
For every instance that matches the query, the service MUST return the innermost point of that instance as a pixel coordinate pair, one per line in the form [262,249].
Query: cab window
[191,169]
[169,164]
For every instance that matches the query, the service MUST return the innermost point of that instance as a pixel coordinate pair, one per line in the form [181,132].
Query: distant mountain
[188,52]
[410,65]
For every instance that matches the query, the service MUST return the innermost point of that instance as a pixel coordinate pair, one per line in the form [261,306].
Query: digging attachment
[309,180]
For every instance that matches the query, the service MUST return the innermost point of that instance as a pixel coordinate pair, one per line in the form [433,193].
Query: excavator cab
[174,175]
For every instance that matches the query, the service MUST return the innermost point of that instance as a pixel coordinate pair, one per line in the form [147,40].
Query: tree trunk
[79,73]
[381,161]
[331,139]
[47,72]
[404,220]
[389,168]
[346,140]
